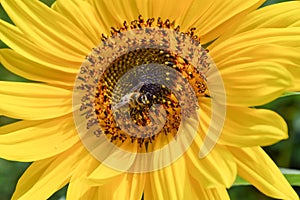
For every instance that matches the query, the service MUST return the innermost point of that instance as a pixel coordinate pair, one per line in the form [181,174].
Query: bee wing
[138,86]
[125,100]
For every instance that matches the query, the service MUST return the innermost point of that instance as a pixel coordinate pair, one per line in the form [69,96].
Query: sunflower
[147,98]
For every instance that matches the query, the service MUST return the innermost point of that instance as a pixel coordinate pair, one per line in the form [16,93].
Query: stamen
[149,94]
[111,101]
[141,23]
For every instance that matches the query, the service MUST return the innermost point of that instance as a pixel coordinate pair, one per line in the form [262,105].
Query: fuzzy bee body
[134,100]
[148,95]
[138,99]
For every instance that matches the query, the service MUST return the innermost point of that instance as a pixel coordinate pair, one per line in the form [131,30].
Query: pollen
[122,110]
[151,22]
[153,93]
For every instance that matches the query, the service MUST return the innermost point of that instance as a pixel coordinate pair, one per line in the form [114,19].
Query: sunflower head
[137,91]
[157,114]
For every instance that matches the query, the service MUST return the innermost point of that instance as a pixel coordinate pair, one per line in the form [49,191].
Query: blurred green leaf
[240,181]
[48,2]
[10,172]
[270,2]
[290,94]
[292,175]
[6,75]
[4,16]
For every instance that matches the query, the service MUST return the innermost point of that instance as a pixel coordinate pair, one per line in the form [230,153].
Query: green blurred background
[285,153]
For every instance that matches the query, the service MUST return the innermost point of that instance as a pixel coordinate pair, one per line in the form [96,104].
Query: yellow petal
[35,140]
[207,16]
[83,15]
[129,186]
[45,177]
[287,57]
[278,54]
[218,193]
[104,175]
[289,37]
[161,186]
[255,166]
[115,184]
[169,182]
[48,29]
[107,17]
[245,127]
[295,71]
[252,84]
[280,15]
[215,170]
[92,193]
[211,121]
[213,18]
[172,10]
[19,42]
[31,70]
[33,101]
[78,186]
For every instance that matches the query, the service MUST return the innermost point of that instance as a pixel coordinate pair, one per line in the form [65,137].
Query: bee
[135,99]
[148,95]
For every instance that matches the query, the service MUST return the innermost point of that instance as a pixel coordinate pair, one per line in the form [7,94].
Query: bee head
[143,99]
[128,99]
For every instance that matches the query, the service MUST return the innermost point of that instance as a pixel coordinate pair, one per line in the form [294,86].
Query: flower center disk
[138,92]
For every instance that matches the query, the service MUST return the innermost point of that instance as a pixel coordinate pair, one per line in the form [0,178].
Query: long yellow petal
[115,184]
[218,193]
[295,71]
[44,177]
[207,169]
[256,166]
[48,29]
[245,127]
[92,193]
[129,186]
[207,16]
[289,37]
[104,175]
[192,189]
[285,45]
[107,18]
[169,182]
[287,57]
[33,101]
[278,54]
[83,15]
[31,70]
[167,9]
[211,18]
[281,15]
[78,186]
[218,17]
[278,15]
[253,84]
[18,41]
[35,140]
